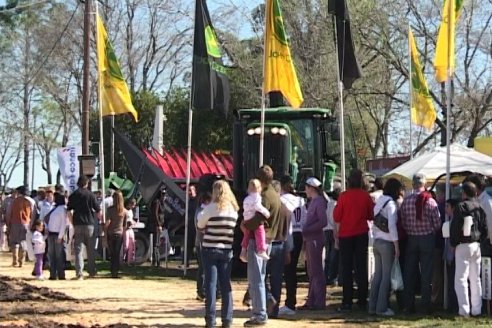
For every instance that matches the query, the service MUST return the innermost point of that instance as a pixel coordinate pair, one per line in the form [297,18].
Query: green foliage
[211,130]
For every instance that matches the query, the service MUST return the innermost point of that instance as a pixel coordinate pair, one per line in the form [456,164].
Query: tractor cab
[300,143]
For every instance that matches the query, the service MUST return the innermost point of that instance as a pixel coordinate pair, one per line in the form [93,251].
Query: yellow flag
[423,112]
[115,96]
[280,74]
[445,56]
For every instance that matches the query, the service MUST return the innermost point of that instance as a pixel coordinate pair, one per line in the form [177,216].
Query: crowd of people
[39,223]
[422,231]
[401,226]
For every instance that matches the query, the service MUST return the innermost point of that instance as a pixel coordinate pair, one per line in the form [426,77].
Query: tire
[141,247]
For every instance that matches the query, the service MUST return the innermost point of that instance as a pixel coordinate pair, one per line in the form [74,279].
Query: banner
[423,112]
[115,96]
[280,73]
[68,162]
[348,67]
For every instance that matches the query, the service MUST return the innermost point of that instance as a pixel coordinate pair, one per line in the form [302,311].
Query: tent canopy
[433,164]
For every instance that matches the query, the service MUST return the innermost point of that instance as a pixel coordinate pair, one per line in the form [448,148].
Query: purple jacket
[316,218]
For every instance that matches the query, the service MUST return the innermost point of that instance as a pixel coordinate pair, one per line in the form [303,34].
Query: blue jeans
[275,268]
[217,265]
[384,255]
[56,256]
[256,282]
[84,234]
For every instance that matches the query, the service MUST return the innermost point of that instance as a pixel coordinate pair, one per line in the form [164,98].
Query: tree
[10,152]
[384,34]
[152,38]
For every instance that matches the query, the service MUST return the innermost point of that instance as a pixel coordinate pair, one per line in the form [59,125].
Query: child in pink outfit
[251,205]
[129,244]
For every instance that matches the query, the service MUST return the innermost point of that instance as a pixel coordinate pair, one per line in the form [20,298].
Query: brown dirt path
[104,302]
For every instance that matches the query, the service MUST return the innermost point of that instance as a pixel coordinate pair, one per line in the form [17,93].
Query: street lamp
[87,165]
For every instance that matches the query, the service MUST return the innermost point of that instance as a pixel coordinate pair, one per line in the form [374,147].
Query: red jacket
[354,208]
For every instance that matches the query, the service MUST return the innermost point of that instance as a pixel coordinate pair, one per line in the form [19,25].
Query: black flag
[348,66]
[210,84]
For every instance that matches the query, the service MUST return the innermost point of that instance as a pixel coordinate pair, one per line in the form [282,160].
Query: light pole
[86,81]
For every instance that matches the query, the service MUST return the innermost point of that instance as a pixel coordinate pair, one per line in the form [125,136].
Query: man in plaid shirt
[420,220]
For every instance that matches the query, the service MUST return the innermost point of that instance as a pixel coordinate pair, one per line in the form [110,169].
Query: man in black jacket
[86,212]
[468,228]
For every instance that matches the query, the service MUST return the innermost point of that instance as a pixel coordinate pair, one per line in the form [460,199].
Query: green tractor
[301,143]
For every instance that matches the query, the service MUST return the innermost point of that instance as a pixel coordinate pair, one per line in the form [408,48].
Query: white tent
[433,164]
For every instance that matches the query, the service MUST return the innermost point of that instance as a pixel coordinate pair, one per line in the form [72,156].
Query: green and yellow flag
[423,112]
[280,74]
[115,96]
[445,56]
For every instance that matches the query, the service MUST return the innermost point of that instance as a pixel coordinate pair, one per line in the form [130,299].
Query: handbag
[380,220]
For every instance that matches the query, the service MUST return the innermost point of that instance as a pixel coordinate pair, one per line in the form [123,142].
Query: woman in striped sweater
[218,220]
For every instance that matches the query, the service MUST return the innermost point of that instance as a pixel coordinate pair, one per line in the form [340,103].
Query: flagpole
[101,138]
[188,157]
[448,98]
[340,106]
[263,95]
[410,89]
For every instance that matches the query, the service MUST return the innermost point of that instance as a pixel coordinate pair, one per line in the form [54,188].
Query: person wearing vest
[466,240]
[217,220]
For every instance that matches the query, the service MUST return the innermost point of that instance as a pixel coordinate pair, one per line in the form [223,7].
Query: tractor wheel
[141,247]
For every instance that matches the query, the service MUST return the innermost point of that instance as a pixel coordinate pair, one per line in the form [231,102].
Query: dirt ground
[143,297]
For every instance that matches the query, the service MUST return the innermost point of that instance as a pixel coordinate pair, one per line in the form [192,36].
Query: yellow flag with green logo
[445,56]
[280,74]
[423,111]
[115,96]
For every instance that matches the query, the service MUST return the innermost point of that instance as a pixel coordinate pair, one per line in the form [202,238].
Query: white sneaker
[388,313]
[41,277]
[244,255]
[285,310]
[263,255]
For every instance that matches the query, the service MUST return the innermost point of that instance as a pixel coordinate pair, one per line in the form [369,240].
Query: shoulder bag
[380,220]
